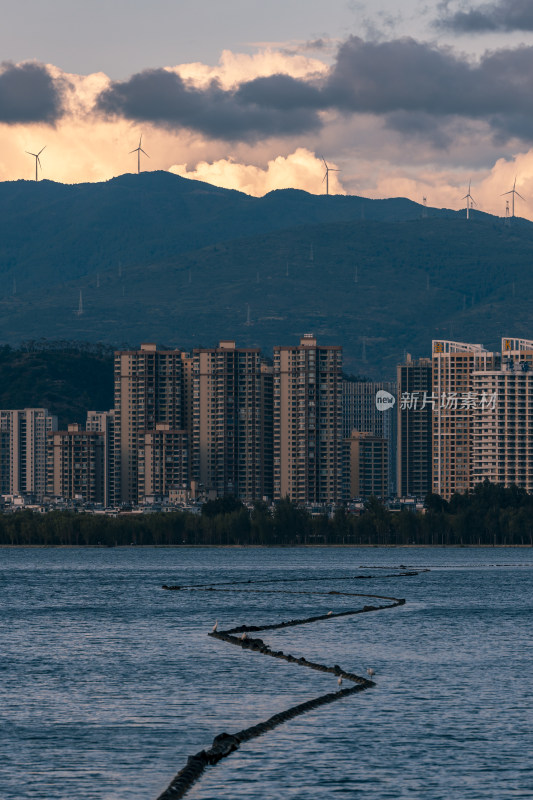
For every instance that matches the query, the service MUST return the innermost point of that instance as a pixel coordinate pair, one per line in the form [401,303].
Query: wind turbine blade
[511,192]
[472,200]
[41,150]
[39,161]
[324,178]
[143,151]
[133,151]
[520,196]
[31,154]
[324,160]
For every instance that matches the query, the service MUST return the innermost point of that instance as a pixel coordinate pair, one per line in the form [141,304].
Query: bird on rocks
[370,672]
[215,626]
[330,613]
[244,637]
[339,681]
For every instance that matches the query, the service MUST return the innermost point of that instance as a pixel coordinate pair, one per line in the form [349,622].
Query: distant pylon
[425,209]
[248,321]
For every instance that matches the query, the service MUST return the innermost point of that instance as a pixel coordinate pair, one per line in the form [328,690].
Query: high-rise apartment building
[163,461]
[414,428]
[23,435]
[366,466]
[231,420]
[148,390]
[75,464]
[308,422]
[502,432]
[454,365]
[104,422]
[360,412]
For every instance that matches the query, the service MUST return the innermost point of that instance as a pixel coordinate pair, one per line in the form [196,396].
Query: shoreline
[269,546]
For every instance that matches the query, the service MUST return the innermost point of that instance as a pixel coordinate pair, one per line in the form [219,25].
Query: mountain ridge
[162,258]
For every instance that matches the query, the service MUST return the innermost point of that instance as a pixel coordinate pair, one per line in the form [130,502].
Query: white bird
[370,672]
[215,626]
[243,637]
[330,613]
[339,681]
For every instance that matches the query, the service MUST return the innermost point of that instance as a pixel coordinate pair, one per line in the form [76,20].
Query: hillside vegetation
[160,258]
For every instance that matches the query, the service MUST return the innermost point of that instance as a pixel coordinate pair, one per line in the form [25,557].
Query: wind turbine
[513,192]
[37,161]
[326,176]
[469,200]
[139,150]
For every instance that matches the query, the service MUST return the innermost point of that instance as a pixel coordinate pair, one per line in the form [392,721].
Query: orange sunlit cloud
[375,162]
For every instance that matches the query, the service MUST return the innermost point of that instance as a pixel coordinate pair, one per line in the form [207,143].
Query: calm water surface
[107,682]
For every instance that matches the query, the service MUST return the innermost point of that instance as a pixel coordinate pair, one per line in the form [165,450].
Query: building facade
[454,365]
[75,465]
[366,466]
[163,462]
[502,432]
[104,422]
[148,390]
[414,428]
[308,422]
[23,443]
[231,427]
[360,412]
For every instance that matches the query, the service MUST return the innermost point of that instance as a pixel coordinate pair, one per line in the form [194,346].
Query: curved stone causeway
[225,743]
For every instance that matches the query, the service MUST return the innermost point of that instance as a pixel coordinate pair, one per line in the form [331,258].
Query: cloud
[301,168]
[390,79]
[236,68]
[505,15]
[29,94]
[247,113]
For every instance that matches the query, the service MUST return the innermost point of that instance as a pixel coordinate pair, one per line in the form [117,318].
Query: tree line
[489,515]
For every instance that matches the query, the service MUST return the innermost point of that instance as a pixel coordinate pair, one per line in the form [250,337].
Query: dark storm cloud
[505,15]
[275,106]
[404,77]
[28,93]
[411,85]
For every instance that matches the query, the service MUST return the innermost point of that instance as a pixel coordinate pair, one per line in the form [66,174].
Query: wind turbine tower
[513,192]
[470,202]
[37,161]
[139,150]
[326,174]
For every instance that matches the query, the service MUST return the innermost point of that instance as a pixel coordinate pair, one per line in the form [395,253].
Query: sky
[414,99]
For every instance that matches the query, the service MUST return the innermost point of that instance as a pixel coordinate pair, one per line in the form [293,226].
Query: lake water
[108,683]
